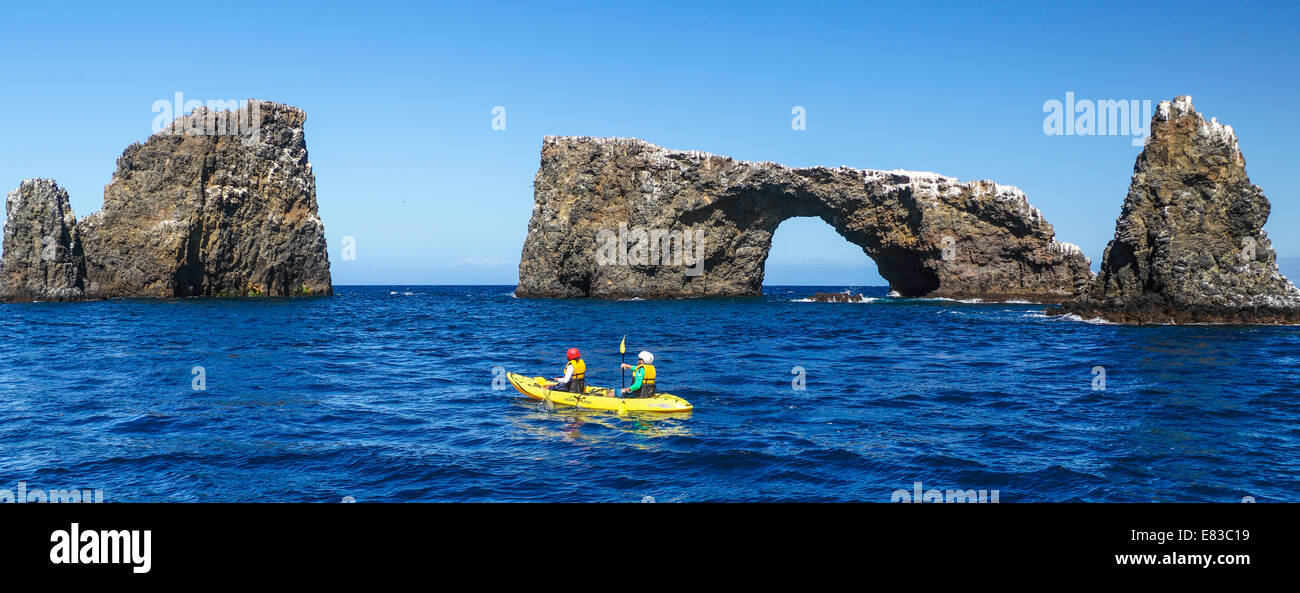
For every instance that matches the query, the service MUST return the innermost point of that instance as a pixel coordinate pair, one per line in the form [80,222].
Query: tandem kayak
[597,398]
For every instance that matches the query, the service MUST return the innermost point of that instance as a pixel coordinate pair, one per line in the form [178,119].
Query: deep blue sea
[387,394]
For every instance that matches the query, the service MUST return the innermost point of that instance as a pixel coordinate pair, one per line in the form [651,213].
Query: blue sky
[399,99]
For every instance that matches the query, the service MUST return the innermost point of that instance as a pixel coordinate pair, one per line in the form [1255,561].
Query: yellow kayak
[597,398]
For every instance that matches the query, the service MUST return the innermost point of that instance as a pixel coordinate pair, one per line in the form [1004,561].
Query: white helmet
[645,357]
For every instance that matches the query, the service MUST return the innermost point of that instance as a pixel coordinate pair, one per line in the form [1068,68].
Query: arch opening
[806,251]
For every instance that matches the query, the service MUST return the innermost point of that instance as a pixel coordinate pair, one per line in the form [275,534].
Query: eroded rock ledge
[1189,244]
[196,210]
[929,235]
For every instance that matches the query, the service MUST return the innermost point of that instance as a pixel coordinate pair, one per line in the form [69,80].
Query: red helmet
[574,354]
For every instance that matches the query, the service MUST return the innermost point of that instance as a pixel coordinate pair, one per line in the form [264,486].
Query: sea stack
[620,218]
[212,206]
[1189,243]
[43,257]
[220,203]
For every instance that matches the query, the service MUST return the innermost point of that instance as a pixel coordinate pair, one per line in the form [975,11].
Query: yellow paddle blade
[622,346]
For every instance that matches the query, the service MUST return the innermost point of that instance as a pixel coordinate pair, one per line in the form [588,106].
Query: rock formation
[1189,243]
[43,258]
[616,218]
[218,204]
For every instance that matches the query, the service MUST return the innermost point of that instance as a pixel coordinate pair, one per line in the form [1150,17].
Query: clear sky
[399,99]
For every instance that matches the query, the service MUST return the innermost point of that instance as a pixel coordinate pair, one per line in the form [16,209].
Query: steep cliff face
[616,218]
[211,214]
[1189,243]
[43,257]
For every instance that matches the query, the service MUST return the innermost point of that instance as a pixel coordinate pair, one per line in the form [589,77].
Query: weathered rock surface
[608,214]
[1189,244]
[211,214]
[43,258]
[219,204]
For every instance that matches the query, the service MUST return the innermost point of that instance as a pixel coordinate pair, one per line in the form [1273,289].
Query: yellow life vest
[579,368]
[649,377]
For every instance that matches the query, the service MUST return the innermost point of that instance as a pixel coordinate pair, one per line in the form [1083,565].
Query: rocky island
[1189,244]
[204,208]
[618,218]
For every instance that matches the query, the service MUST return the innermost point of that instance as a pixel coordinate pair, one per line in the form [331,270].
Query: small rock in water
[836,297]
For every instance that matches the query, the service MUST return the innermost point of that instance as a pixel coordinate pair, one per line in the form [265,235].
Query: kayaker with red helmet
[575,374]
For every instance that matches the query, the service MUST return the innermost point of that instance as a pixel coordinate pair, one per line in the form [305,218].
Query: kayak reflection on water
[600,428]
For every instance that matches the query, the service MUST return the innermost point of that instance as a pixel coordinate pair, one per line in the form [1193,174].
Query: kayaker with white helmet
[643,376]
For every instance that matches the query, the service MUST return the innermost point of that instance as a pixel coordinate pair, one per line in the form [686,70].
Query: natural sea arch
[928,234]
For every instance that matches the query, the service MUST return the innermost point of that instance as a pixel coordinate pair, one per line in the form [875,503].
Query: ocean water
[387,394]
